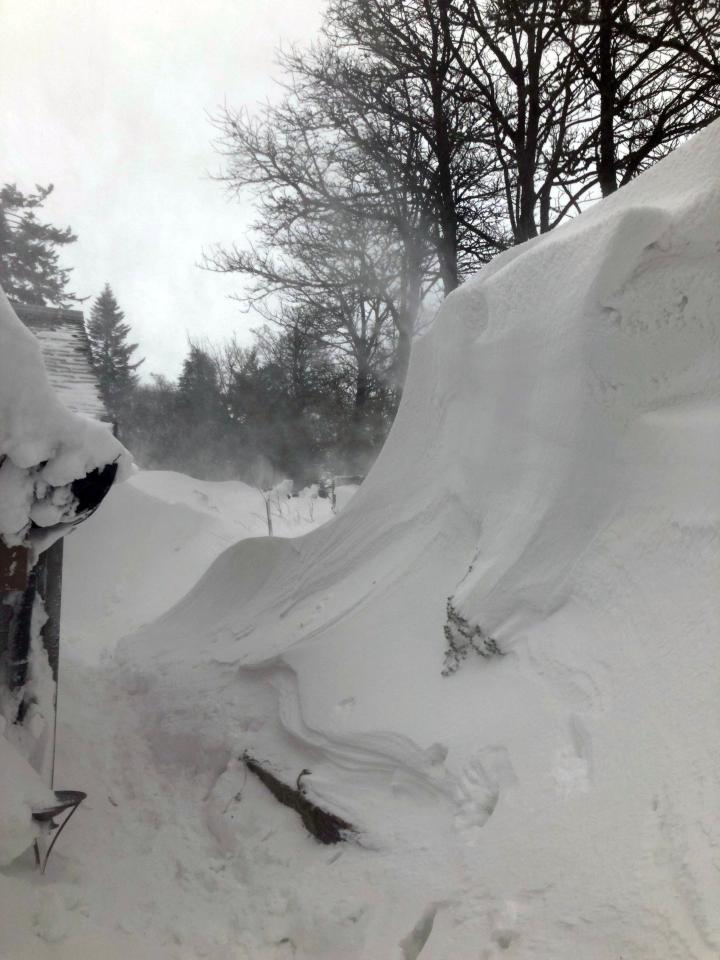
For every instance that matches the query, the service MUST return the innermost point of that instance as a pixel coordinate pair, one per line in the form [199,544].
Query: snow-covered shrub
[462,637]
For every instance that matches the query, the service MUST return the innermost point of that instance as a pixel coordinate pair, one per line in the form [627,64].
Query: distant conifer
[30,270]
[111,352]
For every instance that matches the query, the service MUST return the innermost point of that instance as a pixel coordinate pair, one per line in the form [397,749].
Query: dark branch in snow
[325,827]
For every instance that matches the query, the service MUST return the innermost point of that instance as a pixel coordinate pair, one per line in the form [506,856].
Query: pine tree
[111,353]
[29,268]
[205,441]
[198,388]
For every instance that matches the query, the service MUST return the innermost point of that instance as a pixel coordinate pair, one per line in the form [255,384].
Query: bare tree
[519,74]
[654,74]
[420,137]
[397,91]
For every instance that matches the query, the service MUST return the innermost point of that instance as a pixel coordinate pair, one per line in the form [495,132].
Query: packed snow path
[138,873]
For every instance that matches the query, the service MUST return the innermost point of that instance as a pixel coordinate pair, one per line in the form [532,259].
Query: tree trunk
[408,314]
[402,358]
[606,168]
[447,253]
[526,147]
[362,391]
[526,228]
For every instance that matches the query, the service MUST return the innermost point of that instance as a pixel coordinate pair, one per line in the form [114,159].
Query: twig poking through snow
[325,827]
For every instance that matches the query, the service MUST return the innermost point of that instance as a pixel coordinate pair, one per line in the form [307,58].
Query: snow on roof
[44,447]
[66,354]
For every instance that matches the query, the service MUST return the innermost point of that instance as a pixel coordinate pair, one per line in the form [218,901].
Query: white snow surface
[554,469]
[153,538]
[137,873]
[43,445]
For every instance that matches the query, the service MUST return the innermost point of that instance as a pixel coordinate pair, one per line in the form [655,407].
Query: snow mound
[43,446]
[554,471]
[154,537]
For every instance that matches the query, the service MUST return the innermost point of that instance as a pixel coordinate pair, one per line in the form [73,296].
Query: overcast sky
[109,101]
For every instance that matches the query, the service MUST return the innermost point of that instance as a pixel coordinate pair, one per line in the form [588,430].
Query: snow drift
[554,471]
[155,536]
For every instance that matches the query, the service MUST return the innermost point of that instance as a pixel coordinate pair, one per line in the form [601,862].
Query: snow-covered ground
[154,537]
[114,886]
[554,471]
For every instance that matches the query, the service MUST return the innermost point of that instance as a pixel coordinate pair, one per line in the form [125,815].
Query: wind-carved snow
[163,529]
[554,469]
[552,433]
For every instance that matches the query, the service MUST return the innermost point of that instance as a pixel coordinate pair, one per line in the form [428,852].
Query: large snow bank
[554,470]
[43,446]
[155,536]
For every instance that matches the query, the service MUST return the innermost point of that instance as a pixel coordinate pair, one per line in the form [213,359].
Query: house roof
[66,352]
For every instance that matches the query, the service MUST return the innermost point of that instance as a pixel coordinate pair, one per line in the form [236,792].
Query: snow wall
[555,470]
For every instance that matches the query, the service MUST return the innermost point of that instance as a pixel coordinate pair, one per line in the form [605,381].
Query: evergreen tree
[204,445]
[29,268]
[111,353]
[199,389]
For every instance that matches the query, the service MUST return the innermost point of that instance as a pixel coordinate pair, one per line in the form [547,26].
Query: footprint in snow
[478,789]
